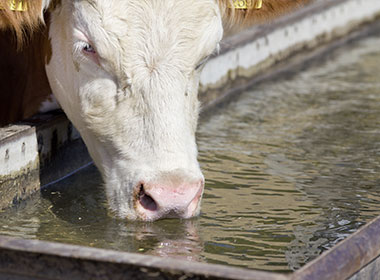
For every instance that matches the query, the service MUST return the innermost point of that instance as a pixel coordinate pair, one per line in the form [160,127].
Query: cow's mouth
[163,200]
[146,201]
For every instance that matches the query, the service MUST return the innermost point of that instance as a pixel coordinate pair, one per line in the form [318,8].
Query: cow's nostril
[146,201]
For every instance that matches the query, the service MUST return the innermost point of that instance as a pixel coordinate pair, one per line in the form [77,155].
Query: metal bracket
[246,4]
[15,5]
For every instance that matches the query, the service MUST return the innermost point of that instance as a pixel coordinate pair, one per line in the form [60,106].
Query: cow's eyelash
[84,51]
[88,48]
[84,47]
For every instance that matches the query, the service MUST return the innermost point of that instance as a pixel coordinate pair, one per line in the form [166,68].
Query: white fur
[135,103]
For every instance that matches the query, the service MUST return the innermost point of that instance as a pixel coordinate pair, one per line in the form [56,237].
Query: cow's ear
[238,14]
[22,15]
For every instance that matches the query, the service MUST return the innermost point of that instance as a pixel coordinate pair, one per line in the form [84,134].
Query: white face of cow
[126,72]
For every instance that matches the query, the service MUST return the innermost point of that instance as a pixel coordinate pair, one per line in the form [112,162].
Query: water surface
[292,167]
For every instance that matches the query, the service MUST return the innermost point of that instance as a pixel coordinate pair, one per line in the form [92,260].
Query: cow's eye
[87,48]
[202,62]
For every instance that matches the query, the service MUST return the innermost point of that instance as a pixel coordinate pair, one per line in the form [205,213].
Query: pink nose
[168,199]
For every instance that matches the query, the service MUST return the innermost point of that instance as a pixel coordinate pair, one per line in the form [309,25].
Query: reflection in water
[79,216]
[291,169]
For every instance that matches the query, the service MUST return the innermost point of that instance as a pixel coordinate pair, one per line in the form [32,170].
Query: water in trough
[292,168]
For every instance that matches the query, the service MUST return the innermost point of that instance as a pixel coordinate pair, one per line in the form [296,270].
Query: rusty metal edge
[32,250]
[347,257]
[370,271]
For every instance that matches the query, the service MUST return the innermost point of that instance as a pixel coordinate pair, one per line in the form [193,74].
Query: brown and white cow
[126,73]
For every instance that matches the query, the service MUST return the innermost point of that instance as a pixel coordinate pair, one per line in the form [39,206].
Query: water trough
[47,148]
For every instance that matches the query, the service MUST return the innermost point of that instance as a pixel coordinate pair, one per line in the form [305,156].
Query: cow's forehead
[155,21]
[140,36]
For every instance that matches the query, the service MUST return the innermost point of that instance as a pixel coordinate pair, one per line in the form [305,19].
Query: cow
[126,73]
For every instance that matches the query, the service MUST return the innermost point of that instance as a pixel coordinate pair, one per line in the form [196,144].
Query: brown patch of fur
[23,82]
[25,48]
[21,22]
[47,48]
[237,19]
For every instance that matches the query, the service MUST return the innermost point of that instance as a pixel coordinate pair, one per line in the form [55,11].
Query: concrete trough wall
[246,57]
[36,153]
[47,148]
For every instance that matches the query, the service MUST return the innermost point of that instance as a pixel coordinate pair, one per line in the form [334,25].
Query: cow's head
[126,73]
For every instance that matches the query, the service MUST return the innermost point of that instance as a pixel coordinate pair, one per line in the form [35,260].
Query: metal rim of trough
[46,139]
[48,260]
